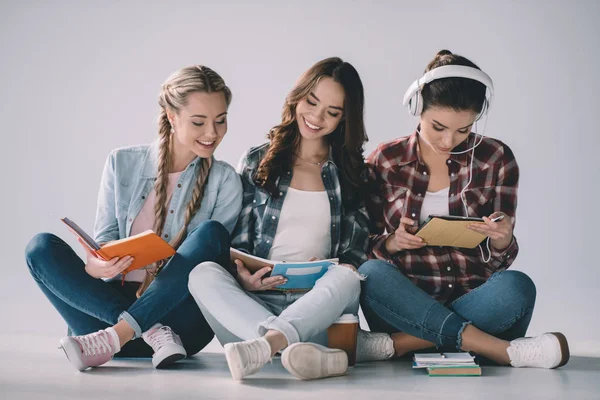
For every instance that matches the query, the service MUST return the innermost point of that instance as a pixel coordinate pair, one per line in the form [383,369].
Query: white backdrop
[81,78]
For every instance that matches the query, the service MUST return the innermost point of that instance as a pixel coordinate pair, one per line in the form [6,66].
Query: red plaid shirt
[400,179]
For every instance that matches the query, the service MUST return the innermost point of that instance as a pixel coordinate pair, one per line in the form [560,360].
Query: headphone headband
[415,105]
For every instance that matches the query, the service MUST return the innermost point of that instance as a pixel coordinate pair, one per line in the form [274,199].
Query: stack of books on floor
[447,364]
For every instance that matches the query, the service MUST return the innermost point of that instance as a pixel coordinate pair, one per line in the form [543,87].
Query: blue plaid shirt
[257,223]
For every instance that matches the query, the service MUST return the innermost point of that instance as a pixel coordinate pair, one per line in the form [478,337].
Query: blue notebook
[300,275]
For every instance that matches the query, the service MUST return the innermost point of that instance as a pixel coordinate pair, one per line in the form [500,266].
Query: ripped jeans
[501,307]
[235,314]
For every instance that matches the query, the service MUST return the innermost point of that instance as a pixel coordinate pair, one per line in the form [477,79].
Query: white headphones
[414,100]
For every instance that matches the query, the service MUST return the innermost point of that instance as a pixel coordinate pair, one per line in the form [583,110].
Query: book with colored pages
[455,370]
[300,275]
[146,248]
[447,364]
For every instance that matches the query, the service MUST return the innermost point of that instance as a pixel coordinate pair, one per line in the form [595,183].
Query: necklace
[313,163]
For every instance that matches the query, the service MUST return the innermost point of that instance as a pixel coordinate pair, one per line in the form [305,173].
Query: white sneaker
[312,361]
[247,358]
[166,344]
[550,350]
[372,346]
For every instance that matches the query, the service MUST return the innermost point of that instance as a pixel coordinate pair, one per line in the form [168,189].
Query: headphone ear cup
[484,109]
[419,104]
[415,104]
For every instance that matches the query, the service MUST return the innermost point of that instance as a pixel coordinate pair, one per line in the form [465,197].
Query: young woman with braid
[302,200]
[173,186]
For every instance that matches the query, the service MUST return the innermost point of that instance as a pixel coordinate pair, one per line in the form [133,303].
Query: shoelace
[530,351]
[95,343]
[161,336]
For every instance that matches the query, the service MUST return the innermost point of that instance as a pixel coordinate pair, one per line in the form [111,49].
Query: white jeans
[235,314]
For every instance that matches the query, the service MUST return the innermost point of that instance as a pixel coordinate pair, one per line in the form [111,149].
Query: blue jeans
[502,306]
[88,304]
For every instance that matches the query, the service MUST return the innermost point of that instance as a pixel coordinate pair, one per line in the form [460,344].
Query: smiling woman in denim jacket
[173,186]
[302,200]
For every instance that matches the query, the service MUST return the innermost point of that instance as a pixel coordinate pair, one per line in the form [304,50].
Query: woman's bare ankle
[276,340]
[124,331]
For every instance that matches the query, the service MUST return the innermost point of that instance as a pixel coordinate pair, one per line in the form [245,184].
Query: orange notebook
[146,247]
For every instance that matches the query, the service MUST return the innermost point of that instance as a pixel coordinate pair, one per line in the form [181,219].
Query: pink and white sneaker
[91,350]
[166,344]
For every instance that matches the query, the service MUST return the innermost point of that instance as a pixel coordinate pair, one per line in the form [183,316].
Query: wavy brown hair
[346,141]
[173,96]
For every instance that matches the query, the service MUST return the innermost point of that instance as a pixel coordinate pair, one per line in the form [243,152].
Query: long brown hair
[173,96]
[346,141]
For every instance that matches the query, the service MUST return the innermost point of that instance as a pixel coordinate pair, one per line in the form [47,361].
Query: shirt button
[448,268]
[333,225]
[324,176]
[414,215]
[268,241]
[449,161]
[179,185]
[424,172]
[254,201]
[273,217]
[143,197]
[419,194]
[166,235]
[281,193]
[452,174]
[289,172]
[172,211]
[130,219]
[331,198]
[449,285]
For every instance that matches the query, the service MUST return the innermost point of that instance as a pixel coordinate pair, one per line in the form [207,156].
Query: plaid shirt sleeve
[241,238]
[354,237]
[505,200]
[375,207]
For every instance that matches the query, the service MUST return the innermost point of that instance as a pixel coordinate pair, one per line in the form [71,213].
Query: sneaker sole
[168,361]
[564,348]
[71,349]
[231,355]
[322,361]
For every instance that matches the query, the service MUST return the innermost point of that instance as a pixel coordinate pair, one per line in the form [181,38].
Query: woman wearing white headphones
[449,297]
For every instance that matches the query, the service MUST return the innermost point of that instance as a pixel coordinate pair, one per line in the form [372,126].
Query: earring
[172,130]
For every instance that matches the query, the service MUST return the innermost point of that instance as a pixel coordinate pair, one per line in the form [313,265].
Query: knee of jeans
[38,247]
[213,230]
[203,276]
[375,271]
[522,285]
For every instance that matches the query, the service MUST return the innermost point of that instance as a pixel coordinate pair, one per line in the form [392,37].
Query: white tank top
[435,203]
[304,228]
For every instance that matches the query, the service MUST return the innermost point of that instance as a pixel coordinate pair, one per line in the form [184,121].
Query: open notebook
[300,275]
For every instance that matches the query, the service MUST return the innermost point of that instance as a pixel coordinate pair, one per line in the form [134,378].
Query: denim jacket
[129,176]
[257,225]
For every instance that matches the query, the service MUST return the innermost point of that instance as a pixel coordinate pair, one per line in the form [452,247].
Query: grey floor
[32,367]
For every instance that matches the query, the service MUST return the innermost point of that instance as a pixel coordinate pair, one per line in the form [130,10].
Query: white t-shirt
[435,203]
[304,228]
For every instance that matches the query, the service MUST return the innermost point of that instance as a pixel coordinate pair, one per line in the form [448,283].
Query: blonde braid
[164,163]
[195,201]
